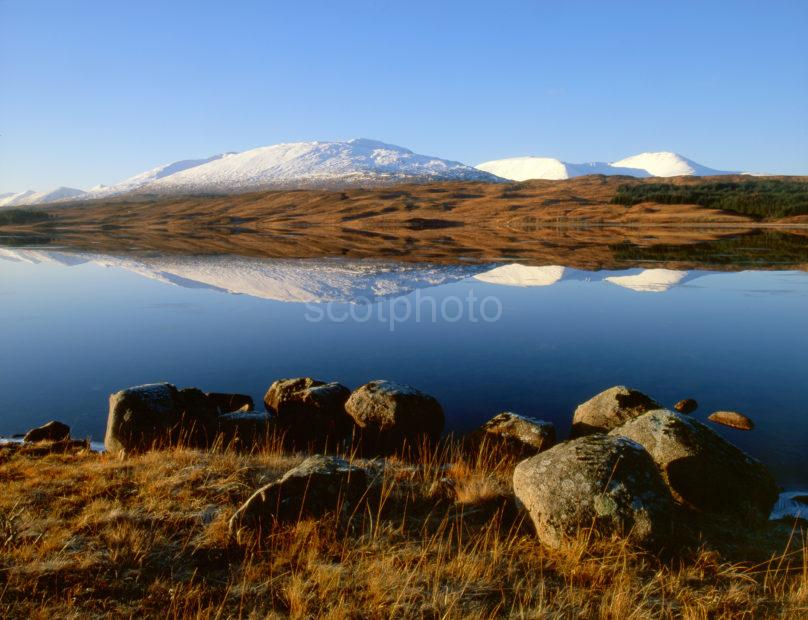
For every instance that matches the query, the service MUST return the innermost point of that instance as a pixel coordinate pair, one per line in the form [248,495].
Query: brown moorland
[572,222]
[84,534]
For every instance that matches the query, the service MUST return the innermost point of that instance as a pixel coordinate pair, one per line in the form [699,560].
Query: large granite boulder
[158,415]
[318,485]
[610,409]
[702,470]
[311,414]
[514,434]
[52,431]
[603,484]
[391,416]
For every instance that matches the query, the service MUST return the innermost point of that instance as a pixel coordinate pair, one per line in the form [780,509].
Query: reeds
[84,534]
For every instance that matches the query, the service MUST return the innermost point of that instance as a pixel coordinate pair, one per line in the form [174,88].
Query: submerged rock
[606,483]
[702,469]
[733,419]
[391,416]
[51,431]
[610,409]
[318,485]
[688,405]
[518,435]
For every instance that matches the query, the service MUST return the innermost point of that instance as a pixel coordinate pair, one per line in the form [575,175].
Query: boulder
[314,416]
[281,388]
[244,429]
[318,485]
[516,434]
[733,419]
[688,405]
[610,409]
[702,470]
[158,415]
[391,416]
[227,403]
[604,484]
[198,417]
[52,431]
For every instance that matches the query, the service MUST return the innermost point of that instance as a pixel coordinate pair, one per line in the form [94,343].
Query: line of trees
[758,198]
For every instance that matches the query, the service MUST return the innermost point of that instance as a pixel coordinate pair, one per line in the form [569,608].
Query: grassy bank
[84,534]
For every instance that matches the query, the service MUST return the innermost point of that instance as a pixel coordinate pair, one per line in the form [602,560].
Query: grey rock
[52,431]
[702,469]
[314,416]
[318,485]
[391,416]
[282,388]
[516,434]
[607,485]
[610,409]
[158,415]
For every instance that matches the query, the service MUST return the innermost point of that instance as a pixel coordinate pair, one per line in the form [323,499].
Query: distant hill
[660,164]
[296,165]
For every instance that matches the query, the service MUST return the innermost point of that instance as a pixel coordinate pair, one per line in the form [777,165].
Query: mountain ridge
[648,164]
[360,162]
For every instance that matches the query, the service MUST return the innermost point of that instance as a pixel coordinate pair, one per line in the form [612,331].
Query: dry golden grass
[87,535]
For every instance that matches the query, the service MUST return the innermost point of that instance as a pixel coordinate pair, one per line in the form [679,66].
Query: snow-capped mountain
[37,198]
[150,176]
[661,164]
[355,163]
[314,164]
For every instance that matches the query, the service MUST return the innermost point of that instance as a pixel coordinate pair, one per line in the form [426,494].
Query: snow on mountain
[36,198]
[315,164]
[661,164]
[150,176]
[356,162]
[666,164]
[525,168]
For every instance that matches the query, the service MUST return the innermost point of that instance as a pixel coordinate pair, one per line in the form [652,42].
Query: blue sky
[95,91]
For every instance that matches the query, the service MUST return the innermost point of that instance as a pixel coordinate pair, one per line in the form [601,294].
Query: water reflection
[75,327]
[351,281]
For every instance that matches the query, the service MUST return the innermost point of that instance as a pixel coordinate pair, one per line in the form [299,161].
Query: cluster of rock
[628,463]
[628,467]
[378,418]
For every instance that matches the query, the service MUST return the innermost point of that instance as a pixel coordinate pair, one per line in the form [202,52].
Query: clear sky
[95,91]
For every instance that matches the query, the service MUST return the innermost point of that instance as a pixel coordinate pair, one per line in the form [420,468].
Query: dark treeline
[758,198]
[21,216]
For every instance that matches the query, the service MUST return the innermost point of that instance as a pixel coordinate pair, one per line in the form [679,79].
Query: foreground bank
[369,528]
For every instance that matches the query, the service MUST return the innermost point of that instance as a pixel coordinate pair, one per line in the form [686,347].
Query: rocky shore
[629,468]
[336,499]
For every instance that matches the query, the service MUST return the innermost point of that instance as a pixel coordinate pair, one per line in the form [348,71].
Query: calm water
[75,327]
